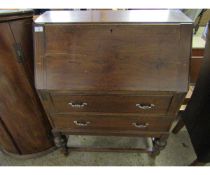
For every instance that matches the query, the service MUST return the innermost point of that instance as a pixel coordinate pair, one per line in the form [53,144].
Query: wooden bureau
[103,72]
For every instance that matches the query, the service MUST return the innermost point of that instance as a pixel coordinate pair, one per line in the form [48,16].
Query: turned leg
[65,147]
[61,142]
[158,145]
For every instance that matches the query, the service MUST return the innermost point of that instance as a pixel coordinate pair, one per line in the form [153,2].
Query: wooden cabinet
[104,72]
[24,126]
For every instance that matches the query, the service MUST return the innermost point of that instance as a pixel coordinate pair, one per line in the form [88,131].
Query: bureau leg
[65,148]
[61,142]
[158,145]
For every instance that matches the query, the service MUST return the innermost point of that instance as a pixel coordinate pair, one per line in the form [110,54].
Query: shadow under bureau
[120,73]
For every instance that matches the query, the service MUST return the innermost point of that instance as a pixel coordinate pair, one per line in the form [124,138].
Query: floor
[178,152]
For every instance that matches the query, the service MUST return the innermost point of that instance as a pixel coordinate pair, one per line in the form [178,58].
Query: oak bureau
[118,73]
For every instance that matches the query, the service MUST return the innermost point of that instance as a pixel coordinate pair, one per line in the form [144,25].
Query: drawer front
[63,103]
[114,122]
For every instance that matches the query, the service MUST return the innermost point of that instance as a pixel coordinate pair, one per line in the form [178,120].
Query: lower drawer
[82,122]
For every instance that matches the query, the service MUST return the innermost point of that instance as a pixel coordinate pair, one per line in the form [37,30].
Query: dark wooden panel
[195,64]
[115,122]
[116,57]
[157,104]
[185,52]
[6,141]
[196,52]
[20,108]
[22,32]
[195,68]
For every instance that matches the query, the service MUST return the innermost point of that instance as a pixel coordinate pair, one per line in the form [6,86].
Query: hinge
[19,52]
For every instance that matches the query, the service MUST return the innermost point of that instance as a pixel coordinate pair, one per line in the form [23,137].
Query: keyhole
[111,30]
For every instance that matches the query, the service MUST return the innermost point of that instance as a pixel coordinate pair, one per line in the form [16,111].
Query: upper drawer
[110,57]
[145,104]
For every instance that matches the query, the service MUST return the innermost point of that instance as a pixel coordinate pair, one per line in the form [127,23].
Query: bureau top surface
[114,16]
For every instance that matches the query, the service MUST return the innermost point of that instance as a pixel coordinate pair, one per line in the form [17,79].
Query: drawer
[146,104]
[113,122]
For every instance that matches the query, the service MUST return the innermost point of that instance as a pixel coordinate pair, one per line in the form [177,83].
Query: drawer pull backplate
[77,105]
[145,106]
[137,125]
[83,123]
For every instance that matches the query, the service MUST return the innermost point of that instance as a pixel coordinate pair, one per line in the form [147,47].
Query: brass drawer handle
[145,106]
[77,105]
[137,125]
[79,123]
